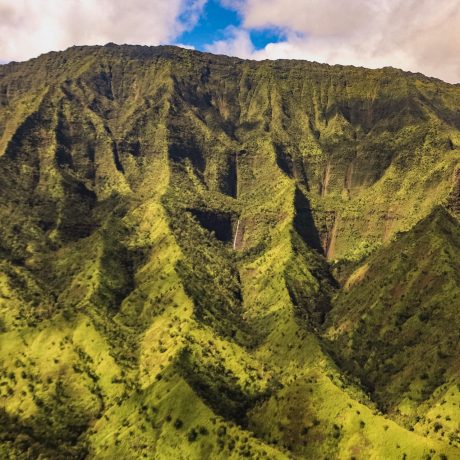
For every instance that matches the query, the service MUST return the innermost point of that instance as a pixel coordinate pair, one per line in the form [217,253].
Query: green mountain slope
[394,325]
[175,228]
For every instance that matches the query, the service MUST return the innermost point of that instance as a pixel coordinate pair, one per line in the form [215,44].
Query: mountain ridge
[235,58]
[136,318]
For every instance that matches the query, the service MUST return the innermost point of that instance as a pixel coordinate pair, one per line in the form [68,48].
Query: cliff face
[352,140]
[175,230]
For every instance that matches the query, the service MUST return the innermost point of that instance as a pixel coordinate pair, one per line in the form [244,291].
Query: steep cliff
[200,254]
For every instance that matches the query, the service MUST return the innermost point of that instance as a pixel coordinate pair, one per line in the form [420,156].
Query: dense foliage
[206,257]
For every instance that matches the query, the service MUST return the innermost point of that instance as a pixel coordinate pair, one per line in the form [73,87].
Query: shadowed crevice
[219,223]
[304,223]
[283,160]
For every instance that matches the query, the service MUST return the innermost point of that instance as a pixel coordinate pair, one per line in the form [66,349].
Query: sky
[416,35]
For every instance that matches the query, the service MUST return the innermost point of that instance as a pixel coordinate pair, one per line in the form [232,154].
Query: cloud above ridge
[31,27]
[416,35]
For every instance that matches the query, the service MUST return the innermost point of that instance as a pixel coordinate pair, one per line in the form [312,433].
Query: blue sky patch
[214,24]
[211,26]
[260,38]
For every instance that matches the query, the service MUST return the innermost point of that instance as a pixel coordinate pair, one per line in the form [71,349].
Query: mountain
[207,257]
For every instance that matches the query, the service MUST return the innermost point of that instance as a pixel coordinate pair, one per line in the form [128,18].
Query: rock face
[206,257]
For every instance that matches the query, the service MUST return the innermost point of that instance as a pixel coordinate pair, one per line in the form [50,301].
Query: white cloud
[187,47]
[416,35]
[237,43]
[31,27]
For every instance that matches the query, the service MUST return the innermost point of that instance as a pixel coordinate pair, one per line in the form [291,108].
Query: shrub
[192,435]
[178,423]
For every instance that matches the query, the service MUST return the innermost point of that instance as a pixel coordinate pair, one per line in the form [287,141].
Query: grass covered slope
[395,326]
[168,222]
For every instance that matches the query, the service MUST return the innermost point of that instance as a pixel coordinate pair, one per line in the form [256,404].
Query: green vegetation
[206,257]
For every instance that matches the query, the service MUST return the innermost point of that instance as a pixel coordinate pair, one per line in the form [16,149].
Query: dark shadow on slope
[102,83]
[301,171]
[228,183]
[115,152]
[304,223]
[447,115]
[219,223]
[283,160]
[76,220]
[64,144]
[220,388]
[293,165]
[115,278]
[392,113]
[116,158]
[25,137]
[56,435]
[309,282]
[398,321]
[182,149]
